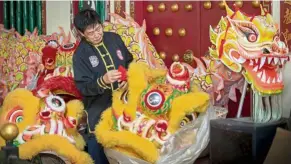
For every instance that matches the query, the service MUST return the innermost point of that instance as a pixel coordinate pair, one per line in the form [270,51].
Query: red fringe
[65,84]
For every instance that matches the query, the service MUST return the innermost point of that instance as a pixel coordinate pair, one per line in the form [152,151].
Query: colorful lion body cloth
[153,108]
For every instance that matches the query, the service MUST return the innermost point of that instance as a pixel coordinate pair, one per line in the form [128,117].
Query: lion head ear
[21,103]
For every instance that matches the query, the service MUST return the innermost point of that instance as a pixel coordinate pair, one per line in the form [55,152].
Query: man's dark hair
[85,19]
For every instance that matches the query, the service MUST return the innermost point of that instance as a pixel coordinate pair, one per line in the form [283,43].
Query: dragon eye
[252,37]
[183,122]
[247,30]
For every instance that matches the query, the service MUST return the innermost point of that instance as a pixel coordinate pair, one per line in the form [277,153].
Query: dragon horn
[262,10]
[228,10]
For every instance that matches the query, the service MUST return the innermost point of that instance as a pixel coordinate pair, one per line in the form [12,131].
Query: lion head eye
[187,119]
[183,123]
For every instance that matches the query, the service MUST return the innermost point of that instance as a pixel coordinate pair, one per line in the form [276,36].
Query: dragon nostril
[266,51]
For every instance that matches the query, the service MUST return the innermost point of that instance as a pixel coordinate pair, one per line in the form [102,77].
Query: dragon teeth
[255,68]
[270,60]
[262,61]
[269,80]
[276,60]
[259,75]
[264,77]
[251,62]
[257,60]
[274,80]
[282,60]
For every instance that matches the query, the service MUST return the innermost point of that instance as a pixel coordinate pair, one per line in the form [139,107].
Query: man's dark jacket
[90,63]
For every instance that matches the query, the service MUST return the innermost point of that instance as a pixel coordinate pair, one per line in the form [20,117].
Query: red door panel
[174,44]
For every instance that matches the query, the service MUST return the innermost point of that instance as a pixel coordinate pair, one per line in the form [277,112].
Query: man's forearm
[92,88]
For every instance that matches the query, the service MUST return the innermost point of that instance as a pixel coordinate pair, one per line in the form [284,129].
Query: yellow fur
[117,106]
[186,104]
[25,99]
[139,74]
[75,109]
[124,140]
[139,77]
[31,106]
[55,143]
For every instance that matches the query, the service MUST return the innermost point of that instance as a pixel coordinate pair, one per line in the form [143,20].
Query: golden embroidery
[287,17]
[287,35]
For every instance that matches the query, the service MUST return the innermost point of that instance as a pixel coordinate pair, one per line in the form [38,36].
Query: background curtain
[99,6]
[23,15]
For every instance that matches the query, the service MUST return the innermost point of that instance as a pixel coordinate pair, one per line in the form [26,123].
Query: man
[95,64]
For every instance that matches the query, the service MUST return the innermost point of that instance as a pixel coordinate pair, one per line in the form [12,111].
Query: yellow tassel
[135,71]
[75,109]
[117,106]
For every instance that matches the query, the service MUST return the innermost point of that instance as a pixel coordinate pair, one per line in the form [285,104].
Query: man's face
[94,34]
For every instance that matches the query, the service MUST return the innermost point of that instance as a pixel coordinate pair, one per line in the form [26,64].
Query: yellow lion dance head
[157,103]
[47,119]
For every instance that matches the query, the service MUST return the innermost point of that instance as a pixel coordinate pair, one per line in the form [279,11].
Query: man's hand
[111,76]
[122,85]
